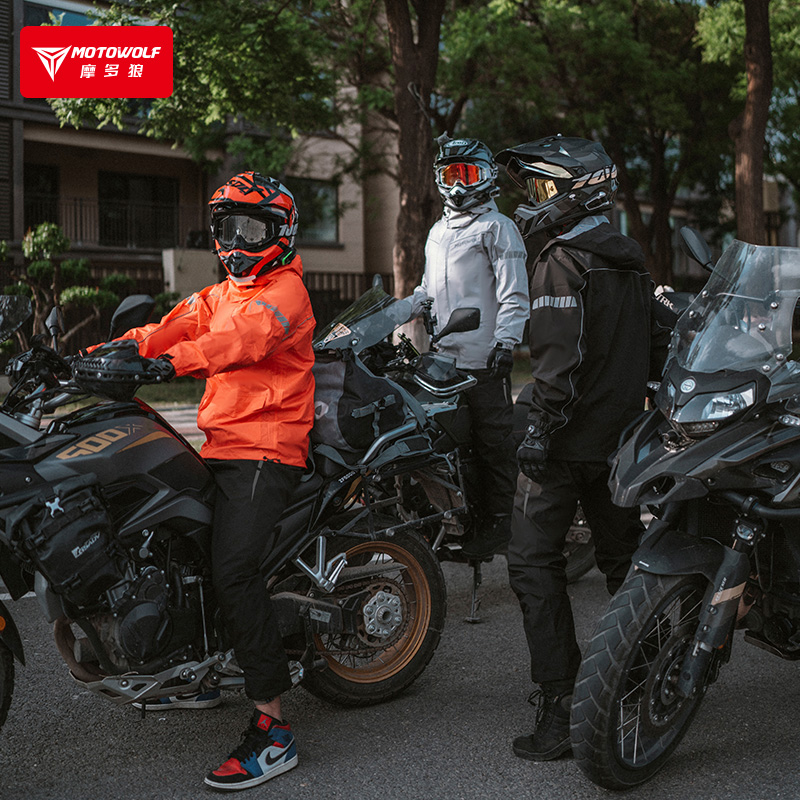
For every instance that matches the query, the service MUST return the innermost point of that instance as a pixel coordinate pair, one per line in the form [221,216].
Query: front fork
[720,607]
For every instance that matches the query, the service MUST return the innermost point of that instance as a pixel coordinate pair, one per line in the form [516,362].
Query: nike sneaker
[267,750]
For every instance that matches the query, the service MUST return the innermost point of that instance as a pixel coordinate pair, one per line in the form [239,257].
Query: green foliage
[165,302]
[41,271]
[89,297]
[629,74]
[255,62]
[721,32]
[118,284]
[44,242]
[74,271]
[18,288]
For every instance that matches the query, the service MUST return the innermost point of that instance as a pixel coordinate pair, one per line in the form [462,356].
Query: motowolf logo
[52,58]
[96,61]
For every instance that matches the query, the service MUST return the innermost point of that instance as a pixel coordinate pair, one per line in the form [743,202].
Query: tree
[49,280]
[278,72]
[724,30]
[630,74]
[415,54]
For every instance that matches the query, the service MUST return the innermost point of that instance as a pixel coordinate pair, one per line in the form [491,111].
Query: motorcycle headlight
[704,413]
[722,406]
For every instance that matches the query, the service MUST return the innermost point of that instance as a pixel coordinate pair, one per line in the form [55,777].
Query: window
[137,210]
[40,183]
[69,13]
[317,207]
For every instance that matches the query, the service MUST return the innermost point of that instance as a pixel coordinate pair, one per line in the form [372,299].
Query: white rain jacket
[476,259]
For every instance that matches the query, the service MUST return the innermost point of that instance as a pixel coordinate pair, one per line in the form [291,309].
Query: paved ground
[447,737]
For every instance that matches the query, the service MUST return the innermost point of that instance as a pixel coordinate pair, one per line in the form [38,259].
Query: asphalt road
[448,736]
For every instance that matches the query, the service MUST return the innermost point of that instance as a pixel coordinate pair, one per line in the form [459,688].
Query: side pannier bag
[352,407]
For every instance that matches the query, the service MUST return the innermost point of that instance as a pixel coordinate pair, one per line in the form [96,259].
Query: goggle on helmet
[564,179]
[465,173]
[253,224]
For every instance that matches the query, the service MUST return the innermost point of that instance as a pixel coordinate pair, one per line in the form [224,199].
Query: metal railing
[120,224]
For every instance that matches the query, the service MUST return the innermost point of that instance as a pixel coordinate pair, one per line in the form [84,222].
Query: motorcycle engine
[140,608]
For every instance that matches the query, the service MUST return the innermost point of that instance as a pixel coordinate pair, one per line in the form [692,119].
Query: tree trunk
[415,60]
[749,130]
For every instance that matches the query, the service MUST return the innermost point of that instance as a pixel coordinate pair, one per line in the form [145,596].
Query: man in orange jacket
[250,338]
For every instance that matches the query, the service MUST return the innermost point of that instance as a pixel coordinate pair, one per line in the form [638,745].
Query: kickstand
[476,582]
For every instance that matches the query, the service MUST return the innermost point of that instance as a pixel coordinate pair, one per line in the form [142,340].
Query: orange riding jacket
[252,344]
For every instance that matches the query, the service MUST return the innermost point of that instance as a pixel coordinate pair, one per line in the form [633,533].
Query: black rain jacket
[597,335]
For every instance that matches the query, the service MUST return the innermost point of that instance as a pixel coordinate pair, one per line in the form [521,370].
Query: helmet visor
[540,190]
[246,230]
[465,174]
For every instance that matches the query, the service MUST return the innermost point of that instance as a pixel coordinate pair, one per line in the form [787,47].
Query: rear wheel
[627,716]
[400,616]
[6,681]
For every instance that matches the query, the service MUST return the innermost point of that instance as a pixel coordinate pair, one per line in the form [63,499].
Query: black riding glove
[501,361]
[161,369]
[532,454]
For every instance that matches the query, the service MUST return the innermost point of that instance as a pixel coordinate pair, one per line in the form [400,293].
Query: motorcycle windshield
[745,316]
[370,319]
[14,310]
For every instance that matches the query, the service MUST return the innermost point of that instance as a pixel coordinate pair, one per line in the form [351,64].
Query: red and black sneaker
[267,750]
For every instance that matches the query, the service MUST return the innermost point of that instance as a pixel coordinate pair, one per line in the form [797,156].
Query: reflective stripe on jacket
[252,344]
[476,258]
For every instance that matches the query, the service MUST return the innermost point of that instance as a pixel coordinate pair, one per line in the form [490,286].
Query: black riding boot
[550,738]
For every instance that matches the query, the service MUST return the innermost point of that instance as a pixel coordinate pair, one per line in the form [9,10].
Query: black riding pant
[251,496]
[536,563]
[494,479]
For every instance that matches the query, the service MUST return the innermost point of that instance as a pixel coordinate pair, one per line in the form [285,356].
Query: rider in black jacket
[597,334]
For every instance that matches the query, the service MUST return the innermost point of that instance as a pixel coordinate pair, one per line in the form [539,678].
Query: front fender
[9,635]
[667,551]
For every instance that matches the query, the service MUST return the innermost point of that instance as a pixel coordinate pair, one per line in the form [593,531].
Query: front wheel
[627,716]
[6,681]
[401,617]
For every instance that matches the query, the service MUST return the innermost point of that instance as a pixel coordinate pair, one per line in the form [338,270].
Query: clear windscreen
[369,320]
[746,317]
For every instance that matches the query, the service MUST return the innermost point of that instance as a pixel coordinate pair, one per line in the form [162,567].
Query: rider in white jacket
[475,257]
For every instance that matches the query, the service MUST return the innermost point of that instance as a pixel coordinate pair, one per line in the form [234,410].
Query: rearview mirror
[461,321]
[696,247]
[132,312]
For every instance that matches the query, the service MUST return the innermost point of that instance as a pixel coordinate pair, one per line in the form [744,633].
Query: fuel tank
[148,472]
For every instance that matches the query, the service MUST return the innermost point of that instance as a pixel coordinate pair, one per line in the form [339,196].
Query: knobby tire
[626,719]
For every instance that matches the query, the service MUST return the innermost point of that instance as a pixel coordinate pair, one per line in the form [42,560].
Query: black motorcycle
[105,514]
[436,496]
[718,462]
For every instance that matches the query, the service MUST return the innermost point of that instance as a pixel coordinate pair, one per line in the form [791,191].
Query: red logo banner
[96,61]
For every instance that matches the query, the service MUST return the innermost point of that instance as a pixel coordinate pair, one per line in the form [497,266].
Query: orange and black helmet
[253,224]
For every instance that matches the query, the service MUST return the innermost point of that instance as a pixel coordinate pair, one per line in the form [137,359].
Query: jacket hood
[598,236]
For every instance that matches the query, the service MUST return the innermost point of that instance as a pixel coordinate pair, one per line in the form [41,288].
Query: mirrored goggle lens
[541,189]
[465,174]
[250,230]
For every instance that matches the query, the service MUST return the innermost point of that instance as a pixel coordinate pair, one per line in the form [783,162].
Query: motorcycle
[436,497]
[106,511]
[718,463]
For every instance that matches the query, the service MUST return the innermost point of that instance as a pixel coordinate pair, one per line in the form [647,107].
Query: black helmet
[465,172]
[565,179]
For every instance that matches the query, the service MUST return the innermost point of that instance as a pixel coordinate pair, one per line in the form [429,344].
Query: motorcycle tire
[6,681]
[626,716]
[578,548]
[372,667]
